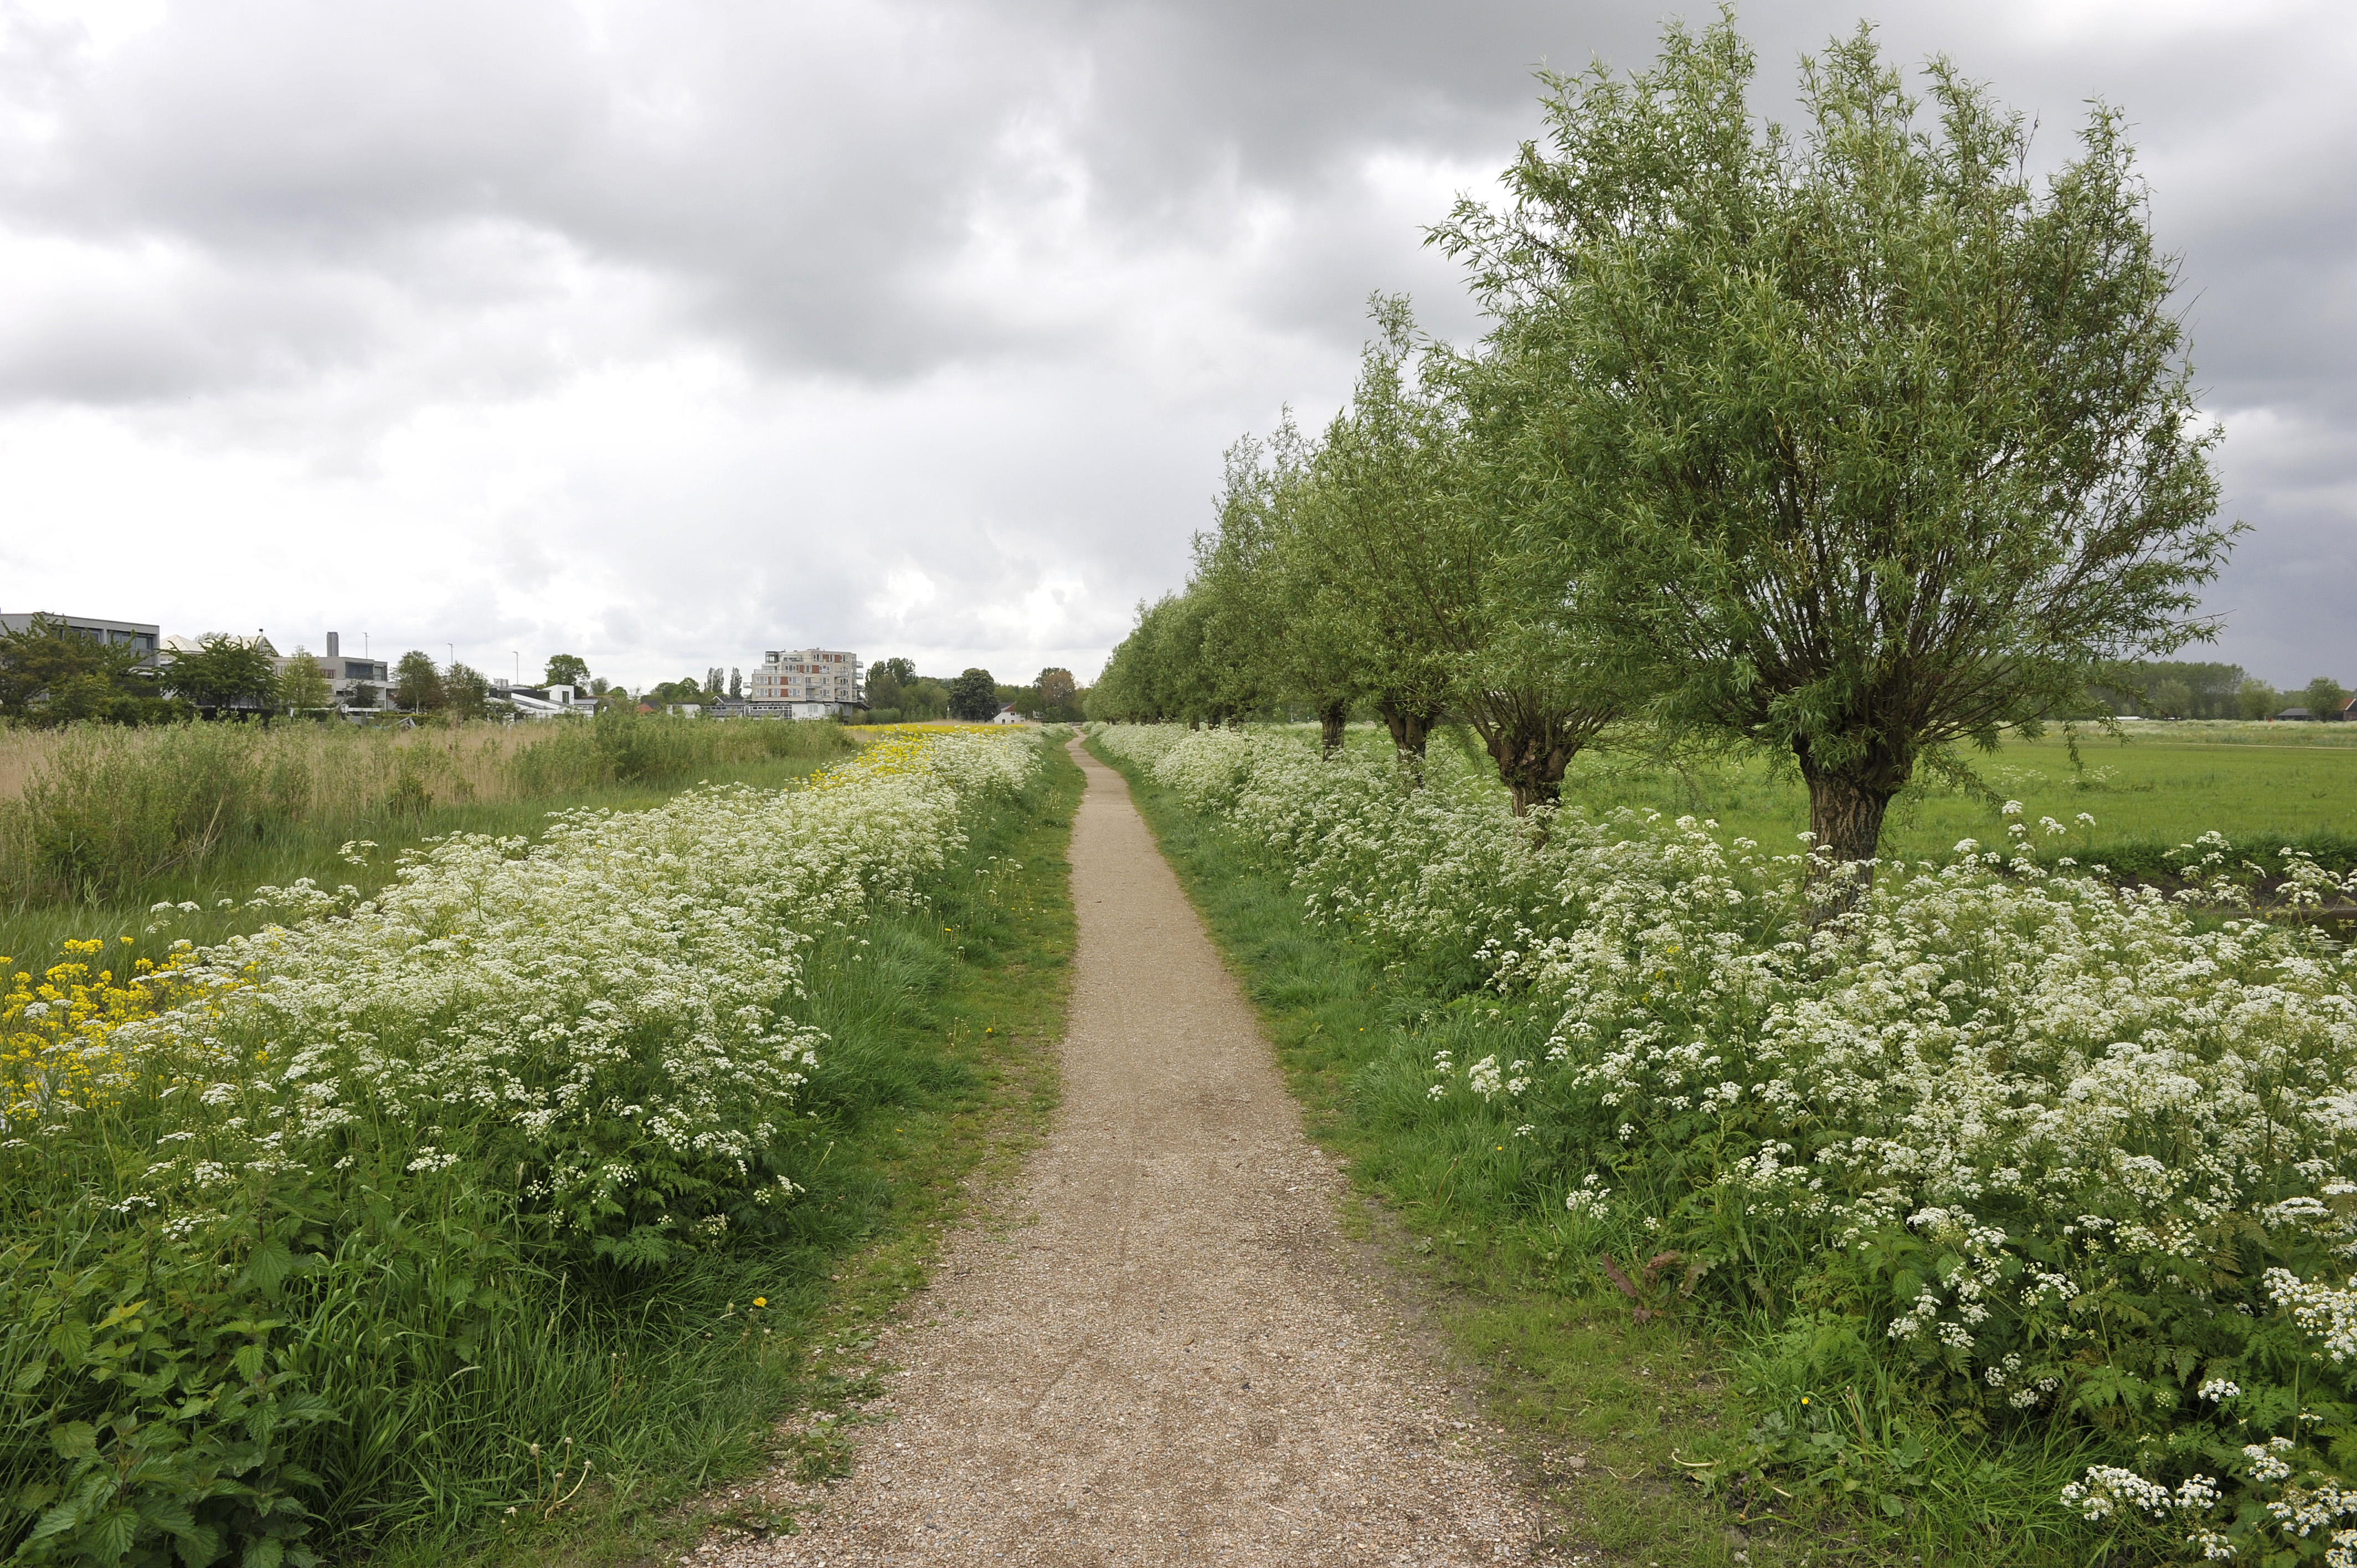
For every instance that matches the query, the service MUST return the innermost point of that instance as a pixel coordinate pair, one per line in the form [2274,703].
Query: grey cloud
[1082,242]
[795,178]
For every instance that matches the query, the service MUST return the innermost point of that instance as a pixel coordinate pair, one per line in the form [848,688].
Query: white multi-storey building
[805,683]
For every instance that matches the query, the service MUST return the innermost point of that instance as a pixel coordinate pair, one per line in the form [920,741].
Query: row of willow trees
[1859,443]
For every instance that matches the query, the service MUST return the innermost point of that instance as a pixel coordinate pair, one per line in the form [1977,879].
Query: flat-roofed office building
[360,684]
[138,634]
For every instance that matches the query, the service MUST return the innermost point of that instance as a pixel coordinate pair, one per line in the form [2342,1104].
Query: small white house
[1007,715]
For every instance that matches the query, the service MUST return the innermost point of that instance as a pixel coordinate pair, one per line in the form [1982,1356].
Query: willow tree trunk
[1330,729]
[1531,762]
[1410,729]
[1846,805]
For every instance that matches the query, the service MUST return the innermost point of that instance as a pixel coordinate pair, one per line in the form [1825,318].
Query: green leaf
[123,1314]
[75,1440]
[270,1264]
[70,1339]
[112,1534]
[59,1520]
[198,1546]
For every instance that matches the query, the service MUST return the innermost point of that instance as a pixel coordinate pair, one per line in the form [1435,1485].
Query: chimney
[333,652]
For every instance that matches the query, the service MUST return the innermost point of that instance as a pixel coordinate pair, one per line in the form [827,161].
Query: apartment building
[805,683]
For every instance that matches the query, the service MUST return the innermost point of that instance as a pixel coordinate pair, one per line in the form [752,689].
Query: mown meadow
[2149,788]
[505,1195]
[2146,790]
[2010,1206]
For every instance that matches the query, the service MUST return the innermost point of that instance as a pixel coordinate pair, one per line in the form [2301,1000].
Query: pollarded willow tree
[1274,603]
[1157,673]
[1423,510]
[1235,582]
[1369,519]
[1867,442]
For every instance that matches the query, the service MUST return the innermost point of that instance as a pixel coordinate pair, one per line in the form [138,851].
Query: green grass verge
[941,1061]
[1608,1408]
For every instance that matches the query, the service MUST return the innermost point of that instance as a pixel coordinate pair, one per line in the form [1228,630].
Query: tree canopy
[1059,697]
[1865,442]
[466,692]
[974,696]
[687,691]
[417,685]
[303,686]
[224,671]
[566,670]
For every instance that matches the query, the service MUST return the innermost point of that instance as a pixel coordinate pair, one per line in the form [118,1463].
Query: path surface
[1181,1360]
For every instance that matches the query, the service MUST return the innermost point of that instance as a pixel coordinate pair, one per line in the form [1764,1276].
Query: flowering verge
[523,1058]
[2045,1151]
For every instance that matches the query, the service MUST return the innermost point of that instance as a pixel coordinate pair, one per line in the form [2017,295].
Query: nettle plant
[2047,1150]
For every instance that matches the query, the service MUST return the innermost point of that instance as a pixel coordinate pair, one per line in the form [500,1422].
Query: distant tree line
[2157,690]
[897,694]
[51,674]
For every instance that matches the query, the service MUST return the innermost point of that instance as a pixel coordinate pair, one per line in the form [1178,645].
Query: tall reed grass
[90,812]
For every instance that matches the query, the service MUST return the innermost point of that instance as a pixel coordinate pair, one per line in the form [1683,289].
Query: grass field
[2263,785]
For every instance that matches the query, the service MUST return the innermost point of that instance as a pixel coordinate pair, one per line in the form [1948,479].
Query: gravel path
[1171,1355]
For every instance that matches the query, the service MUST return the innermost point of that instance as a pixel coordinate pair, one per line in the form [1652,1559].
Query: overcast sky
[669,333]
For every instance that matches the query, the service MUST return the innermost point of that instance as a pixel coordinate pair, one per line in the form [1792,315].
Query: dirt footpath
[1180,1359]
